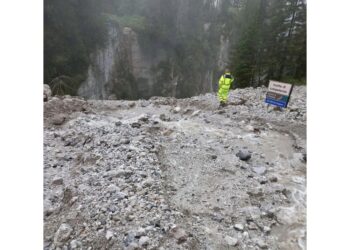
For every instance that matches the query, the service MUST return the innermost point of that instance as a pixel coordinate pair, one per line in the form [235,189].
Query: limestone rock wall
[97,85]
[127,68]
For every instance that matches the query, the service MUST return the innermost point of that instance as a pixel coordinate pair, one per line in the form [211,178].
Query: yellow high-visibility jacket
[225,81]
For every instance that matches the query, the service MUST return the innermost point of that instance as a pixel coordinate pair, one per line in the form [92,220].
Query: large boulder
[47,92]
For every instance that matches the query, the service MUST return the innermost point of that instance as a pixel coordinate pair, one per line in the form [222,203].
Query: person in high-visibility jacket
[224,86]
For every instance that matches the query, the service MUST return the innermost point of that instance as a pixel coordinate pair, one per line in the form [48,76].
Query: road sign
[278,93]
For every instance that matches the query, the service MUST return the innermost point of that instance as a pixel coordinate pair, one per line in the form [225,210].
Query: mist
[122,49]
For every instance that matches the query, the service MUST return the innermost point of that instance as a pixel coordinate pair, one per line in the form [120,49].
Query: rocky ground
[171,173]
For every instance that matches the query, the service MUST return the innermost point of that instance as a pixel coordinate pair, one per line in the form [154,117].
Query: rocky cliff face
[126,69]
[141,63]
[98,82]
[123,70]
[223,52]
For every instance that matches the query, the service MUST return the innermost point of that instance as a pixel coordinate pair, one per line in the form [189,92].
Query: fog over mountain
[122,49]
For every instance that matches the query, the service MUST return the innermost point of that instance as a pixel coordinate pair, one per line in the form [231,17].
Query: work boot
[222,104]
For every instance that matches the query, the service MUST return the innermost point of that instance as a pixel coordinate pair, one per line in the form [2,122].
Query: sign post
[278,93]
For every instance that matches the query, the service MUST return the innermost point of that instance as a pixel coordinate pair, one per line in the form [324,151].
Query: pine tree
[247,52]
[271,44]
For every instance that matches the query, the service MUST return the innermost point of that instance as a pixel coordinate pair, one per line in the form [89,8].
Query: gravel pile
[170,173]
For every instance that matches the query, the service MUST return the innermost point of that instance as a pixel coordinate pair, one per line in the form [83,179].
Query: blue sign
[278,94]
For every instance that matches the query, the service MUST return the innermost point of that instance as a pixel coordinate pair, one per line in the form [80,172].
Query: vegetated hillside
[170,173]
[122,49]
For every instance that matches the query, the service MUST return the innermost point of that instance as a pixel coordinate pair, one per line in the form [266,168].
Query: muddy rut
[216,190]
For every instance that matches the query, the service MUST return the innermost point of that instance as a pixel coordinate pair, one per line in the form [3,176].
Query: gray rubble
[166,173]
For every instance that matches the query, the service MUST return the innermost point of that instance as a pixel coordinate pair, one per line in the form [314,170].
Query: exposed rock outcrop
[98,84]
[132,68]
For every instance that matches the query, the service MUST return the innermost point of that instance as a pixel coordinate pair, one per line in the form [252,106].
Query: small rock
[267,229]
[140,232]
[245,235]
[262,244]
[231,241]
[179,234]
[116,218]
[143,118]
[156,222]
[74,244]
[129,156]
[112,189]
[67,195]
[214,157]
[130,237]
[195,113]
[293,109]
[163,117]
[187,111]
[58,119]
[149,229]
[239,227]
[118,123]
[286,192]
[62,235]
[252,213]
[121,173]
[120,195]
[249,128]
[243,155]
[57,181]
[125,141]
[304,157]
[177,109]
[133,246]
[147,183]
[109,235]
[144,240]
[112,209]
[273,179]
[144,103]
[130,217]
[252,226]
[131,104]
[255,192]
[218,218]
[263,181]
[135,125]
[259,170]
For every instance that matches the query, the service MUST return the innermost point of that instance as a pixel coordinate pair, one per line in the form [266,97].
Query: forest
[266,39]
